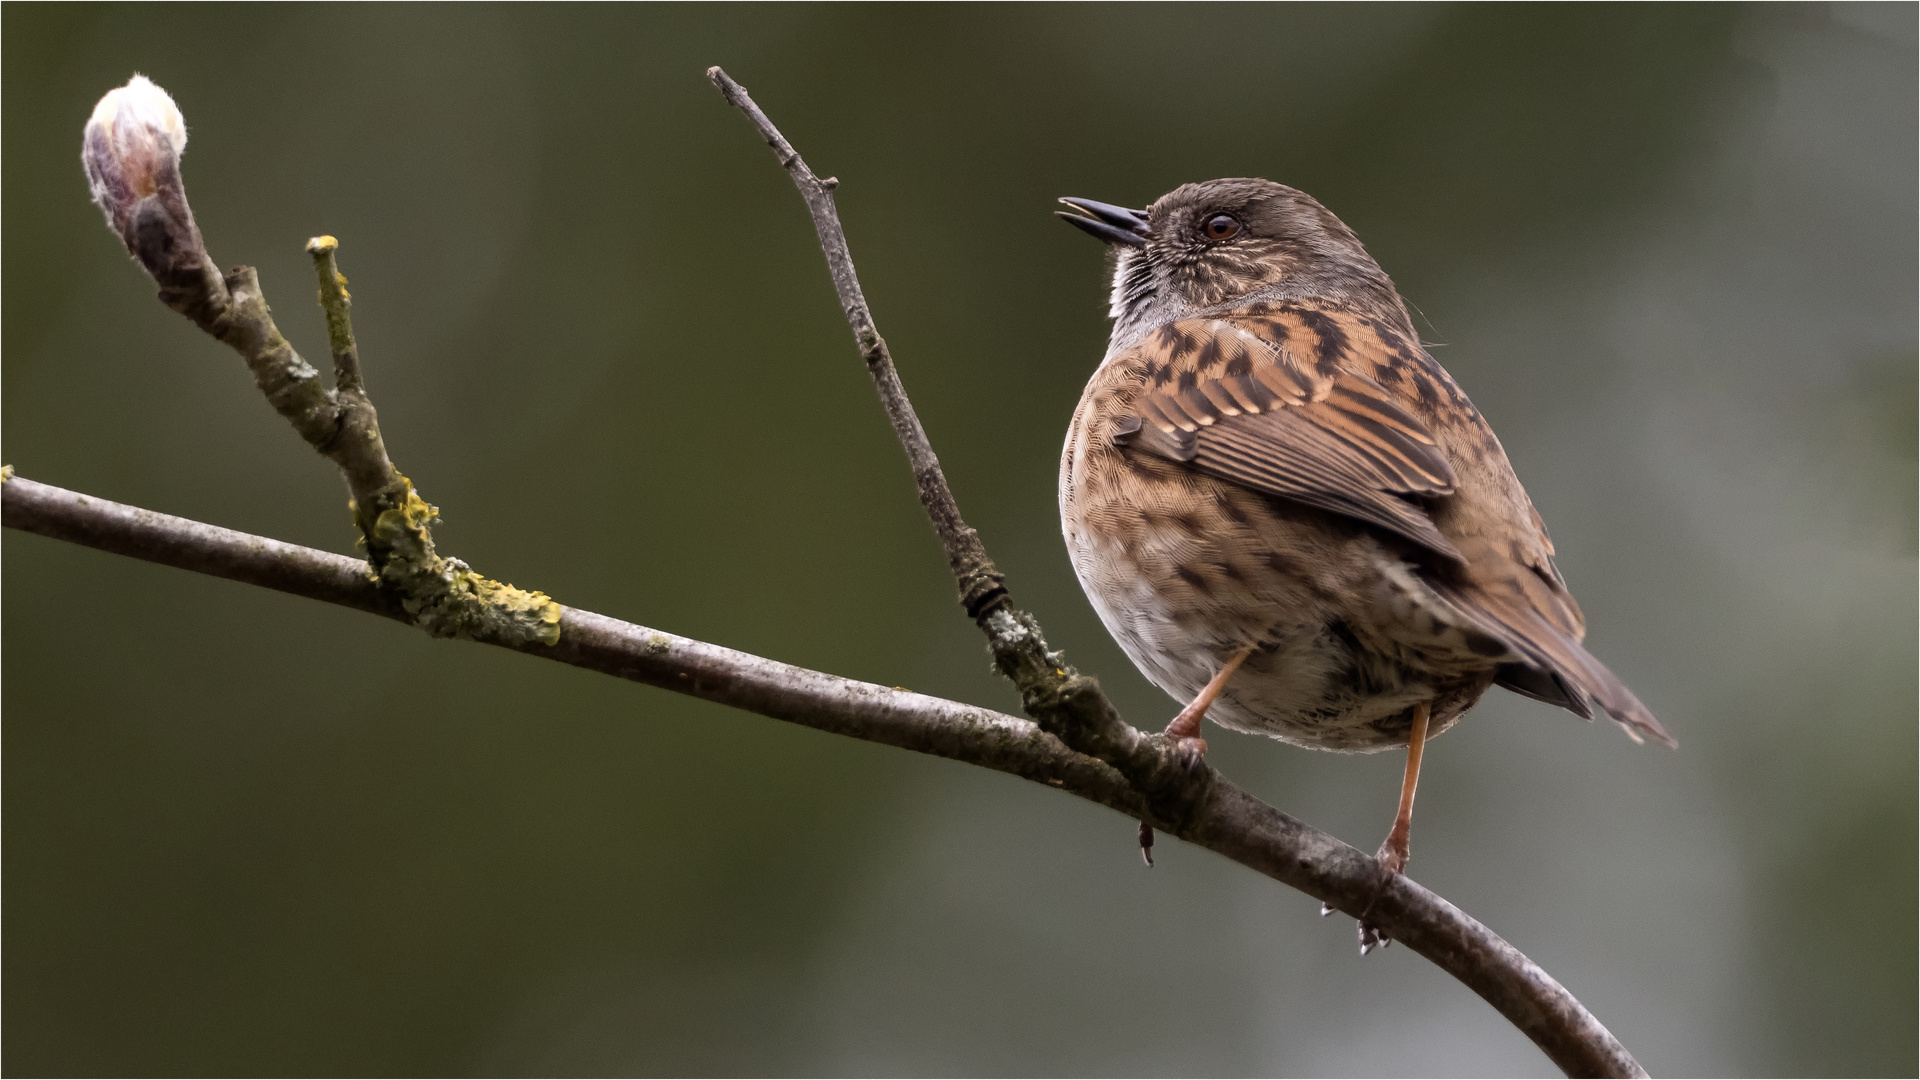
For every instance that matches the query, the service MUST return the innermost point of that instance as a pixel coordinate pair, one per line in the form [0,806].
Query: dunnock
[1286,512]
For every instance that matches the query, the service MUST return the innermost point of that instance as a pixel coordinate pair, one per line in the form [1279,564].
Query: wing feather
[1234,404]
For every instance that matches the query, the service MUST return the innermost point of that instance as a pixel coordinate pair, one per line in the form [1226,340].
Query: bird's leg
[1185,731]
[1395,852]
[1187,724]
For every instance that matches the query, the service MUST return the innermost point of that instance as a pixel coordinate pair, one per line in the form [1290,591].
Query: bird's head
[1205,247]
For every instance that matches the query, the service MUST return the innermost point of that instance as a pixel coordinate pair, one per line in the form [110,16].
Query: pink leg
[1187,724]
[1395,852]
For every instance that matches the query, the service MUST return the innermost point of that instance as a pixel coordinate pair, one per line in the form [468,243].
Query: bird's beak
[1104,221]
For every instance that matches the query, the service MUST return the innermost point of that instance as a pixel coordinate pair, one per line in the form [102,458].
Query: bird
[1287,513]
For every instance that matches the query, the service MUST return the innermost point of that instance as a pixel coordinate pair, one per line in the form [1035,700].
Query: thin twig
[1234,824]
[981,584]
[338,304]
[1064,702]
[1183,795]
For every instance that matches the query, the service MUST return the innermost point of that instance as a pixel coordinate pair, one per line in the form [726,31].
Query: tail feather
[1522,610]
[1529,681]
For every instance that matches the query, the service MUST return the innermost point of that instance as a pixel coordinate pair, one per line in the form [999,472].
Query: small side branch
[338,305]
[982,587]
[1064,702]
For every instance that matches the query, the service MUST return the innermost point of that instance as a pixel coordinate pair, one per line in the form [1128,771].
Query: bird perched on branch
[1286,512]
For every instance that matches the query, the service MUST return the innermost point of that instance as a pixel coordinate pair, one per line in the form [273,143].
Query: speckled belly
[1303,684]
[1342,651]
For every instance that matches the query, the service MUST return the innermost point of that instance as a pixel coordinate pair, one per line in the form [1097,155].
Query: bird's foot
[1191,753]
[1393,856]
[1372,937]
[1184,733]
[1394,852]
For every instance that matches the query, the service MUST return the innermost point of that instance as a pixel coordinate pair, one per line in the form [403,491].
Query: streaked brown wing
[1230,398]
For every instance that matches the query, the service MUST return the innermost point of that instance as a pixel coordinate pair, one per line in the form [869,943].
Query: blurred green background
[1670,251]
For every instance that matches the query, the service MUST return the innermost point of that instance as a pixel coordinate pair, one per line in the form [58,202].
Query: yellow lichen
[445,596]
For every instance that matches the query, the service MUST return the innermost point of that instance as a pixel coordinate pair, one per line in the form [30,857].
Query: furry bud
[132,146]
[131,152]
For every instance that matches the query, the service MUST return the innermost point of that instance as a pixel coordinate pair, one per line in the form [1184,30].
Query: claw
[1192,753]
[1393,859]
[1372,937]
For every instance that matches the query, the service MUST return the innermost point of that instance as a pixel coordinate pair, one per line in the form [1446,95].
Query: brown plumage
[1268,466]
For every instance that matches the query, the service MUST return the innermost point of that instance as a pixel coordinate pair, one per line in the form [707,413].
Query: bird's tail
[1542,629]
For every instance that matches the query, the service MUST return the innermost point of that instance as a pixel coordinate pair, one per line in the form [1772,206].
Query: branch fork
[131,152]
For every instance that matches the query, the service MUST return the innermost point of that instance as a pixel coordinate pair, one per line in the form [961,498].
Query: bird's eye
[1222,227]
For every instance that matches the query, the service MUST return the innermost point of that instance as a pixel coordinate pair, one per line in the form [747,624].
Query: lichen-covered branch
[881,714]
[337,303]
[1181,792]
[131,152]
[1232,822]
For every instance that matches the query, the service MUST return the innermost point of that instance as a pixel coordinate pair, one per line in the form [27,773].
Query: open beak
[1104,221]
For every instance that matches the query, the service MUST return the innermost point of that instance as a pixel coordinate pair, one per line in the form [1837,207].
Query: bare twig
[1066,703]
[981,584]
[1184,795]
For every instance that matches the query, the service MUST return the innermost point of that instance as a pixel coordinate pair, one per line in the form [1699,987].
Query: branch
[1184,794]
[1237,825]
[640,654]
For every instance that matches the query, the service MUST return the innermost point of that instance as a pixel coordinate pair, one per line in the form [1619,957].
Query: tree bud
[131,153]
[131,148]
